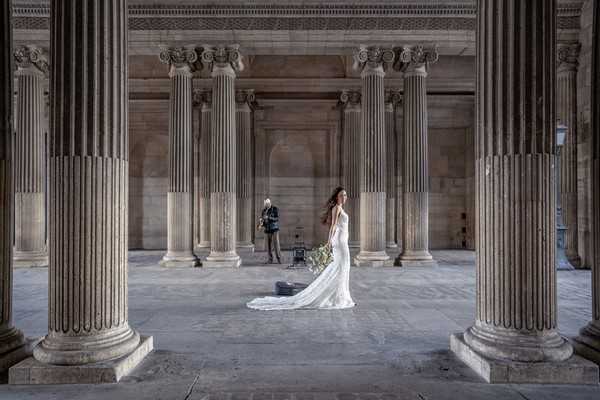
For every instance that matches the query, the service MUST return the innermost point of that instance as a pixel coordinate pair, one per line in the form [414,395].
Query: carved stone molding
[31,57]
[222,56]
[567,55]
[413,58]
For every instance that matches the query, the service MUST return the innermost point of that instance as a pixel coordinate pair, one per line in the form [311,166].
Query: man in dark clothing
[269,221]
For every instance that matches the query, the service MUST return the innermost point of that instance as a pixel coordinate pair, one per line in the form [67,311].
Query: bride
[331,289]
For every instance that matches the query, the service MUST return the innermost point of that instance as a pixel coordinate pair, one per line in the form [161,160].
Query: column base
[23,259]
[244,247]
[587,344]
[354,245]
[412,258]
[391,245]
[222,260]
[188,260]
[18,354]
[34,372]
[373,259]
[575,370]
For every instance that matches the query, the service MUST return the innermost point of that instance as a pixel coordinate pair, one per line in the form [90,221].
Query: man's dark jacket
[270,217]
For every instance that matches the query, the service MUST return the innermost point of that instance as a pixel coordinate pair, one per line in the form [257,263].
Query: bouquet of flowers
[320,257]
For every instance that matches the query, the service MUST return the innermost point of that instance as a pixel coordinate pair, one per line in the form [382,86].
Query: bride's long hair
[332,202]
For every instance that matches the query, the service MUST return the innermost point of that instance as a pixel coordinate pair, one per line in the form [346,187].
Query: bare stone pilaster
[245,100]
[350,101]
[223,61]
[202,170]
[30,159]
[566,109]
[89,336]
[11,339]
[515,336]
[390,167]
[372,62]
[587,343]
[413,62]
[180,245]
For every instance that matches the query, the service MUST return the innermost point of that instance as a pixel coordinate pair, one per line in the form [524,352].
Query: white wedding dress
[331,289]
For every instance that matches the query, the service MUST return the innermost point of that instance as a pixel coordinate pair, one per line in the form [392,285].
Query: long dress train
[331,289]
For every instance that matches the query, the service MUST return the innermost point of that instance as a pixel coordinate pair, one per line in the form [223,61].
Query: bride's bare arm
[335,212]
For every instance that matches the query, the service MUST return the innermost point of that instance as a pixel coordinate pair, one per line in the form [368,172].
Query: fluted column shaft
[10,337]
[588,342]
[390,167]
[245,175]
[566,96]
[223,169]
[515,184]
[351,162]
[415,204]
[373,158]
[88,183]
[204,171]
[180,244]
[30,159]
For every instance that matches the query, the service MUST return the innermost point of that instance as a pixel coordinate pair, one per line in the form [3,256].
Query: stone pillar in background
[587,343]
[202,170]
[12,342]
[245,169]
[566,109]
[88,181]
[30,159]
[372,62]
[350,102]
[413,62]
[223,61]
[515,336]
[390,180]
[180,242]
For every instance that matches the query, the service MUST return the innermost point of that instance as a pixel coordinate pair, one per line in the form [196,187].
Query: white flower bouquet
[320,257]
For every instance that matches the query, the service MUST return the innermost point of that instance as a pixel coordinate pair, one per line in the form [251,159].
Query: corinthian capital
[222,57]
[31,57]
[416,58]
[373,57]
[567,55]
[179,58]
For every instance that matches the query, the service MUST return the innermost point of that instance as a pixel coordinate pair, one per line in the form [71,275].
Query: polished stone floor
[393,345]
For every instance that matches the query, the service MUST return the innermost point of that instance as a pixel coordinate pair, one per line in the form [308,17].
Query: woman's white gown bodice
[331,289]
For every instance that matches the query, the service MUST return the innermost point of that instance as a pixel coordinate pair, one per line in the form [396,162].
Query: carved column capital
[245,99]
[180,59]
[393,97]
[350,100]
[31,58]
[202,98]
[222,59]
[567,56]
[416,59]
[373,59]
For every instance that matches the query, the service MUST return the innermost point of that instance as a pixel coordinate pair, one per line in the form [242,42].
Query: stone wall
[584,132]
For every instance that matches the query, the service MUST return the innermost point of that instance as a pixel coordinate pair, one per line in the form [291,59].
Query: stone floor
[393,345]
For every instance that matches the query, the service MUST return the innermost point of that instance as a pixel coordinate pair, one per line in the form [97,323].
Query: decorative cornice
[373,57]
[417,16]
[567,55]
[31,57]
[411,58]
[222,56]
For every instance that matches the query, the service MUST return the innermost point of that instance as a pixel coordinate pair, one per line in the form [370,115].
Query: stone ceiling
[293,26]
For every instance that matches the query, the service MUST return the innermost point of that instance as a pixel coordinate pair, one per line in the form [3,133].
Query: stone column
[350,101]
[515,336]
[566,109]
[88,182]
[202,188]
[413,62]
[223,61]
[390,167]
[587,343]
[11,339]
[30,159]
[372,62]
[245,171]
[180,243]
